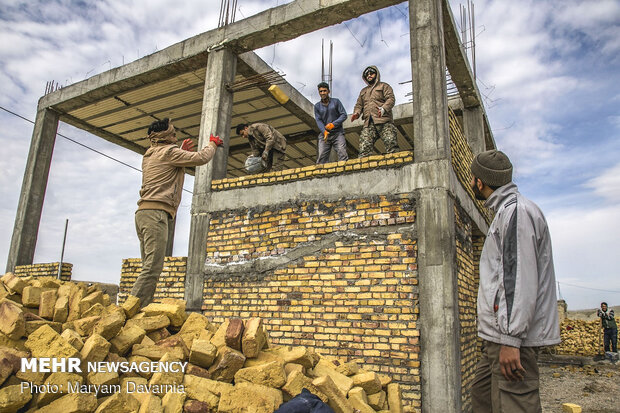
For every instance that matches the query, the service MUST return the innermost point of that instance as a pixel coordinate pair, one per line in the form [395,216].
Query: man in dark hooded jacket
[375,104]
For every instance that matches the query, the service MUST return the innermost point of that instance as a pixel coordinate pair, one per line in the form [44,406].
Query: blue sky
[549,72]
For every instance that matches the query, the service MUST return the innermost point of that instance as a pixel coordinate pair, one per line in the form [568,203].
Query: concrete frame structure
[434,46]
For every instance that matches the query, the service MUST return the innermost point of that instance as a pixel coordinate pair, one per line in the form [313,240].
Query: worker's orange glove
[217,140]
[354,116]
[325,133]
[329,126]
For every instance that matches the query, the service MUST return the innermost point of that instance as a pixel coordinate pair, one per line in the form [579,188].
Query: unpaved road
[595,386]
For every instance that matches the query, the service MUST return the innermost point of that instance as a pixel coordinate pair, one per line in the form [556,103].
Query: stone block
[75,296]
[227,363]
[571,408]
[160,379]
[73,338]
[126,338]
[154,352]
[194,406]
[296,381]
[204,390]
[95,348]
[119,403]
[130,384]
[47,303]
[10,362]
[60,380]
[72,403]
[234,333]
[175,311]
[265,356]
[140,359]
[131,306]
[270,375]
[14,344]
[177,342]
[359,400]
[85,326]
[31,296]
[395,398]
[377,400]
[173,402]
[197,371]
[219,337]
[264,399]
[149,324]
[146,341]
[298,355]
[14,283]
[106,379]
[254,337]
[151,404]
[368,381]
[327,368]
[202,353]
[291,367]
[13,398]
[195,324]
[337,400]
[349,368]
[96,309]
[34,325]
[111,322]
[61,309]
[160,334]
[384,379]
[12,321]
[90,300]
[45,342]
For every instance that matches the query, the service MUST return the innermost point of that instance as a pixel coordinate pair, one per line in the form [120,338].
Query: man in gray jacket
[517,304]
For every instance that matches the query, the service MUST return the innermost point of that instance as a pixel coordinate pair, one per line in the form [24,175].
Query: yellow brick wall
[354,297]
[389,160]
[467,258]
[45,270]
[171,282]
[462,156]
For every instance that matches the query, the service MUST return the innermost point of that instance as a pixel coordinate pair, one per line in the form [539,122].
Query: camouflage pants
[370,134]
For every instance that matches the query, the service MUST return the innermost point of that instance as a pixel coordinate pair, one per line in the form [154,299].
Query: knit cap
[492,167]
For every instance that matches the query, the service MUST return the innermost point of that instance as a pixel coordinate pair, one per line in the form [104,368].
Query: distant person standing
[610,328]
[330,114]
[374,104]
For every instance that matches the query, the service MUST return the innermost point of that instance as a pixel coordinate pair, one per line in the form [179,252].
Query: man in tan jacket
[375,104]
[163,173]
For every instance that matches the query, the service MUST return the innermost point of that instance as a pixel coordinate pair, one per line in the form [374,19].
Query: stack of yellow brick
[230,368]
[580,338]
[171,282]
[45,270]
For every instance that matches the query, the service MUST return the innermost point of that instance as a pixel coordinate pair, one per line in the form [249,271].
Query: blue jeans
[611,337]
[336,141]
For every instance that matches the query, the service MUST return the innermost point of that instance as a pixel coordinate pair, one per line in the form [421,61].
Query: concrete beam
[277,24]
[473,127]
[216,116]
[431,133]
[26,228]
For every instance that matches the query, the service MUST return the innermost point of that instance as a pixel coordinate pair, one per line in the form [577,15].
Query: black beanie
[492,167]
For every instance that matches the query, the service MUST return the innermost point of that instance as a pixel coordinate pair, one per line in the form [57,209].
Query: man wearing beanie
[517,308]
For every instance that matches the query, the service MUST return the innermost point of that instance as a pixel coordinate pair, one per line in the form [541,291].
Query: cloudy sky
[549,71]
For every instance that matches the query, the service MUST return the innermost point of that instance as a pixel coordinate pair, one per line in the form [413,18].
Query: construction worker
[162,182]
[330,115]
[374,104]
[264,141]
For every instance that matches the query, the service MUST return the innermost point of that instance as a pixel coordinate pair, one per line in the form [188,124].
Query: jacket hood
[499,195]
[165,137]
[377,80]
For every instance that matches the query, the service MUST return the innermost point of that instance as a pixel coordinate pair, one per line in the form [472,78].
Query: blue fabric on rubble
[305,402]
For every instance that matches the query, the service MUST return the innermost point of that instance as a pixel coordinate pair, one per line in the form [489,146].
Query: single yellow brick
[571,408]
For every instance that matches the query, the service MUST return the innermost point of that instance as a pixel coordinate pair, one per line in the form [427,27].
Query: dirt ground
[593,385]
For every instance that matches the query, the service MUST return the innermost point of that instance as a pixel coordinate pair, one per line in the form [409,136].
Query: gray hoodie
[517,304]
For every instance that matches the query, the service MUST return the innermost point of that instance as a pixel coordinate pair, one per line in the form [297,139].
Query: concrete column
[439,328]
[431,132]
[473,125]
[216,116]
[440,360]
[26,228]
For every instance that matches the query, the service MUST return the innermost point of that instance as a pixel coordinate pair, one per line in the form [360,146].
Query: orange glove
[329,126]
[325,133]
[216,140]
[354,116]
[188,145]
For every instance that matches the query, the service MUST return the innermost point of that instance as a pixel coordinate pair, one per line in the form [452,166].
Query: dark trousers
[611,337]
[492,393]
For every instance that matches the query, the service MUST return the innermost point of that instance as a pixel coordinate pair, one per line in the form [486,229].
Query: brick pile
[229,368]
[49,269]
[580,338]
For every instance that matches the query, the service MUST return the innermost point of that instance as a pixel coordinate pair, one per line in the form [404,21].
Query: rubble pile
[158,359]
[580,338]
